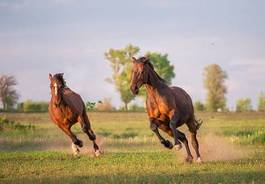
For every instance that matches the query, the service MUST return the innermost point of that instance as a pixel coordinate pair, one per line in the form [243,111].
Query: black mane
[152,67]
[59,77]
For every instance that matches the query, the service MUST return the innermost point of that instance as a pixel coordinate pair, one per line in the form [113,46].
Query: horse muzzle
[134,90]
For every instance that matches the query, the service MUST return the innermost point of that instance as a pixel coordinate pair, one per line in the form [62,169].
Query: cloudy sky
[70,36]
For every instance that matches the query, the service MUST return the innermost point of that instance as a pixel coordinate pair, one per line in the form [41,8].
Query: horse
[67,108]
[168,107]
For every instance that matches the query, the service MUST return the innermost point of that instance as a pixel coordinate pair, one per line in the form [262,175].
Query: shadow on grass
[235,177]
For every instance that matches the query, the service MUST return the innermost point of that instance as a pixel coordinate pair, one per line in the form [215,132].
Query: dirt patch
[216,148]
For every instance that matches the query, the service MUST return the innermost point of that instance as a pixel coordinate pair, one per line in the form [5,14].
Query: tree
[214,82]
[261,102]
[120,62]
[162,66]
[199,106]
[243,105]
[105,105]
[32,106]
[8,95]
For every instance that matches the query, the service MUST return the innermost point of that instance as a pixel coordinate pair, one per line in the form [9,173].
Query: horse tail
[198,123]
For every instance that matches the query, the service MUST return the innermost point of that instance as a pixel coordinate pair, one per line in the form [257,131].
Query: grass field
[232,146]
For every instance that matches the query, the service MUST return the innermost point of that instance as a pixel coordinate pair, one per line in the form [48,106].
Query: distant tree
[105,105]
[162,65]
[90,105]
[120,62]
[8,95]
[243,105]
[136,108]
[199,106]
[214,83]
[32,106]
[261,102]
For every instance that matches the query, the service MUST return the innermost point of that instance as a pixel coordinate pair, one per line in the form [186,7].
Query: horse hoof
[80,144]
[75,150]
[199,160]
[97,153]
[168,144]
[189,159]
[177,147]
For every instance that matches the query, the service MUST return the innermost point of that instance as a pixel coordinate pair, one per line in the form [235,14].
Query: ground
[34,150]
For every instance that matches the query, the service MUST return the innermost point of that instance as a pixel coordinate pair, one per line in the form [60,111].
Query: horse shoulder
[151,106]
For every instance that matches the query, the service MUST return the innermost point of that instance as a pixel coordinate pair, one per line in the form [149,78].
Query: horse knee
[172,124]
[78,143]
[91,134]
[153,127]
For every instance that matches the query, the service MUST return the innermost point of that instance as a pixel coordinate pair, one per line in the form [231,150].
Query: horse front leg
[154,128]
[86,127]
[173,126]
[66,128]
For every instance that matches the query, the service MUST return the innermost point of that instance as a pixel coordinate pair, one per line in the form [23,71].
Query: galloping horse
[167,107]
[67,108]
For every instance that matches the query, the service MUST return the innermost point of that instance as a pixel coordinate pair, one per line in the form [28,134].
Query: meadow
[34,150]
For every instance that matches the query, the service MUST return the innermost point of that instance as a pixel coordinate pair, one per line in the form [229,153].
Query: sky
[71,36]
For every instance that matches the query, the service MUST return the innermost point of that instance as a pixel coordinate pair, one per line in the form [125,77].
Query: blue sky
[71,36]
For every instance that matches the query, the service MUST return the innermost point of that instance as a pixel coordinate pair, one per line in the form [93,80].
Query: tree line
[214,78]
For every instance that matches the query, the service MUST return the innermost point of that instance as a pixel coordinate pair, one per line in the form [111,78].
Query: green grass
[132,154]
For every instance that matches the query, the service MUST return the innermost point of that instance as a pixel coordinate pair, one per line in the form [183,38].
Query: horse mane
[59,77]
[152,68]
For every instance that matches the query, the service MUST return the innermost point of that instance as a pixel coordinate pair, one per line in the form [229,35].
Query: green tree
[243,105]
[8,95]
[120,62]
[33,106]
[199,106]
[162,66]
[261,102]
[214,83]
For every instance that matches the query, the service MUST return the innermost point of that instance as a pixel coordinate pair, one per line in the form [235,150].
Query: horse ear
[50,76]
[134,59]
[145,59]
[61,74]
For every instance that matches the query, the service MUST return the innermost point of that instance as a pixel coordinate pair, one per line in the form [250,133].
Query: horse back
[183,103]
[73,100]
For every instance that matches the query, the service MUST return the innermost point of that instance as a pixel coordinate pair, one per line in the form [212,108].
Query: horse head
[139,74]
[57,84]
[143,73]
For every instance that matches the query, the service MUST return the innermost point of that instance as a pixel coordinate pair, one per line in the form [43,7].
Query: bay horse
[67,108]
[168,107]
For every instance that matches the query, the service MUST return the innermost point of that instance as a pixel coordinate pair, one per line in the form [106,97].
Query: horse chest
[61,114]
[157,108]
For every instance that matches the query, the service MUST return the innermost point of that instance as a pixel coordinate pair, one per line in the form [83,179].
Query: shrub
[243,105]
[199,106]
[31,106]
[6,125]
[105,105]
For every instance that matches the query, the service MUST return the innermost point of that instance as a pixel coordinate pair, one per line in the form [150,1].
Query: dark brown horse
[167,107]
[67,108]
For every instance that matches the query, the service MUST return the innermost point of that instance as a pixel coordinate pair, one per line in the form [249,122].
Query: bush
[6,125]
[243,105]
[105,105]
[90,106]
[261,102]
[199,106]
[136,108]
[31,106]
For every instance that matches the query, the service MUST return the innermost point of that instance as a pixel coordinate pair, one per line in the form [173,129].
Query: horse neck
[56,99]
[154,85]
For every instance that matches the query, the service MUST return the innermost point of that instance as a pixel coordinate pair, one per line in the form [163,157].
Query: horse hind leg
[183,139]
[86,128]
[193,127]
